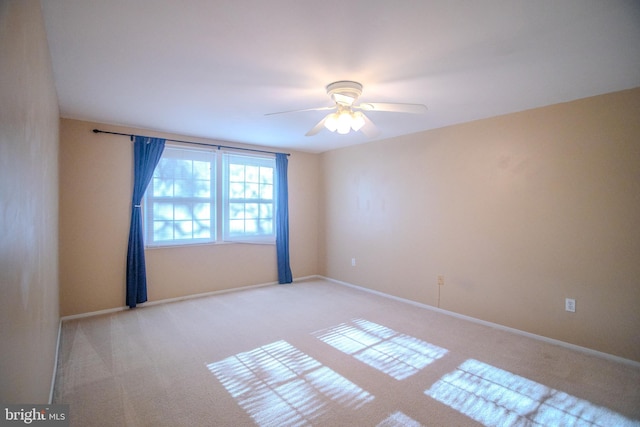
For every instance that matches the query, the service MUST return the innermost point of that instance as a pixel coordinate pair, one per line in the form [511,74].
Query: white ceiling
[214,68]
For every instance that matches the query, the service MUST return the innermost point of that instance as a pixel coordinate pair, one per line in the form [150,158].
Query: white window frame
[220,199]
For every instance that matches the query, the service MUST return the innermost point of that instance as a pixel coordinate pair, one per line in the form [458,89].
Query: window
[181,203]
[249,198]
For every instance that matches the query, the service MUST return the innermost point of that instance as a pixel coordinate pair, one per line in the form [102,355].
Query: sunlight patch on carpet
[495,397]
[393,353]
[277,384]
[399,419]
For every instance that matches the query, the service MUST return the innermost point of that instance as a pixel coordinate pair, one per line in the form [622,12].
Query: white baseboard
[305,278]
[181,298]
[586,350]
[55,363]
[92,313]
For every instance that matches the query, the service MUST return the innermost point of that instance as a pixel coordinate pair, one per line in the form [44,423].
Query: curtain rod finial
[96,131]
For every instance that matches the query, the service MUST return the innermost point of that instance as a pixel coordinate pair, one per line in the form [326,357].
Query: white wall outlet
[570,305]
[440,280]
[353,262]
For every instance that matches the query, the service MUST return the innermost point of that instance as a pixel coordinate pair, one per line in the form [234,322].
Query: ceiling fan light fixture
[331,122]
[345,94]
[357,120]
[344,122]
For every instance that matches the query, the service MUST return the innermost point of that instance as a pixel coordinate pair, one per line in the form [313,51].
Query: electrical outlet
[353,262]
[570,305]
[440,280]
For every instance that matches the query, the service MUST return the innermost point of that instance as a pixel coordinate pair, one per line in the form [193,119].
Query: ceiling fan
[349,115]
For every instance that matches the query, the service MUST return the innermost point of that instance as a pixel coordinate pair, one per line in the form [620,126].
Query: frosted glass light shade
[357,121]
[331,122]
[344,122]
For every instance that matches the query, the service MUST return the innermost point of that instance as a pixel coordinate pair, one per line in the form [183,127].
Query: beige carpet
[319,353]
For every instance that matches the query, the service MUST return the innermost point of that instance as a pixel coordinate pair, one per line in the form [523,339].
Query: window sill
[221,243]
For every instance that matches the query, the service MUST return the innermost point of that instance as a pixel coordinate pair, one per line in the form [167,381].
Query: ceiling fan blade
[394,107]
[305,109]
[369,129]
[317,128]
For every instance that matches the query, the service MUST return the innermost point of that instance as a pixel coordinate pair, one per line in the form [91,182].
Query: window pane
[251,226]
[183,229]
[182,169]
[251,210]
[183,188]
[162,211]
[266,192]
[162,169]
[266,226]
[202,229]
[236,173]
[202,188]
[182,212]
[236,226]
[266,210]
[236,210]
[162,187]
[202,211]
[252,191]
[252,174]
[266,175]
[202,170]
[236,191]
[162,230]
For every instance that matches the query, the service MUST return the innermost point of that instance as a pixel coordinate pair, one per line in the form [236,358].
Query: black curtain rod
[191,142]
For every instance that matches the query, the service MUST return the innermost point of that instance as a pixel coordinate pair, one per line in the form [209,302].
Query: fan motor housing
[344,92]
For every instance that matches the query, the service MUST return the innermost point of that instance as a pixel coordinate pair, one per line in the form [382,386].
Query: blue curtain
[146,153]
[282,219]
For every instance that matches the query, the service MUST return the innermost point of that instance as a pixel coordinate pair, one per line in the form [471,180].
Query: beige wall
[95,201]
[517,212]
[28,206]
